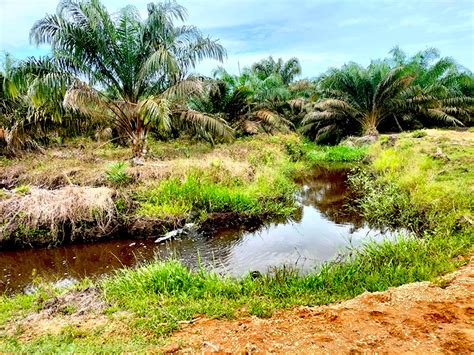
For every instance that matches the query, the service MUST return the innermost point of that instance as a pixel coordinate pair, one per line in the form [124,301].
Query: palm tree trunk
[369,125]
[139,143]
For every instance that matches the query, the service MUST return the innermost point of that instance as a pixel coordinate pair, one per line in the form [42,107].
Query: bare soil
[414,318]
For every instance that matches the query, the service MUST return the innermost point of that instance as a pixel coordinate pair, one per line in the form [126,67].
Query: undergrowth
[176,198]
[409,184]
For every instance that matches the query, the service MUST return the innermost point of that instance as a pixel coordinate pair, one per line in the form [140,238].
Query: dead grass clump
[53,210]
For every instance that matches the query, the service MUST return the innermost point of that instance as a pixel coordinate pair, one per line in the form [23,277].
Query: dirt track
[418,318]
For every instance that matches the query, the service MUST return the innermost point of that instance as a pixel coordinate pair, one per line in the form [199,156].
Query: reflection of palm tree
[327,191]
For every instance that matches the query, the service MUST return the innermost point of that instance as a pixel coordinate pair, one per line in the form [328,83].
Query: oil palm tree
[394,92]
[355,98]
[288,70]
[25,118]
[441,92]
[249,104]
[134,71]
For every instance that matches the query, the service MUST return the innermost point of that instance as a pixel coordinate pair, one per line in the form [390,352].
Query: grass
[251,176]
[411,186]
[158,295]
[337,154]
[22,189]
[176,198]
[161,294]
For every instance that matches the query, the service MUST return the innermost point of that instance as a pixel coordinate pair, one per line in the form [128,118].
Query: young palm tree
[248,103]
[357,98]
[25,118]
[288,70]
[442,92]
[131,70]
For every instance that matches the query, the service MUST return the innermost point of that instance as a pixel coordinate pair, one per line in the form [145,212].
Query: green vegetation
[161,294]
[337,154]
[116,173]
[175,198]
[404,183]
[391,94]
[116,86]
[22,189]
[424,184]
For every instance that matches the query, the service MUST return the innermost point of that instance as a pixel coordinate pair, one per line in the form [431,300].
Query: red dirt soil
[415,318]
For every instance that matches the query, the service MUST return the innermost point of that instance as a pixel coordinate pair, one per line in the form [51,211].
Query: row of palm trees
[135,74]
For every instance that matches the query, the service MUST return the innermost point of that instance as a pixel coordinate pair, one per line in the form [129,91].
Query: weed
[412,188]
[176,198]
[419,133]
[163,292]
[116,173]
[340,153]
[22,189]
[68,309]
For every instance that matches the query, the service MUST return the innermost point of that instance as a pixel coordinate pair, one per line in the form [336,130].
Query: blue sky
[321,33]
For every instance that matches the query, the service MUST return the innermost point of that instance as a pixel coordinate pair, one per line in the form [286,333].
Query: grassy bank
[421,181]
[408,181]
[180,182]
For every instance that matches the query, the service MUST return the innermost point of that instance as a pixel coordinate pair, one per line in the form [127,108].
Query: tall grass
[174,197]
[162,293]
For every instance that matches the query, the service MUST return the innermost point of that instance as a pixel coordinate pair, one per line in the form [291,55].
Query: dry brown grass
[219,166]
[85,162]
[53,209]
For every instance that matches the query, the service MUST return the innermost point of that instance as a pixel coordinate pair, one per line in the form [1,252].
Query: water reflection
[320,228]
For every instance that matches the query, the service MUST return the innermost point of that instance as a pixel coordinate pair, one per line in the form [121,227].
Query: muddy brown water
[321,229]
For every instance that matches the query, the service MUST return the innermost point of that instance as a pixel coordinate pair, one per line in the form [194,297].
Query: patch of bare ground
[415,318]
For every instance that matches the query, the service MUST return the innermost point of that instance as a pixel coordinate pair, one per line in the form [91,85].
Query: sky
[321,33]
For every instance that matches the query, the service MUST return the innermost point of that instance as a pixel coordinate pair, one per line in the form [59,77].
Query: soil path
[417,318]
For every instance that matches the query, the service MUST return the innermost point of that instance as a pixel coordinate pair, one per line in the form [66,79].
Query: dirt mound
[75,303]
[417,318]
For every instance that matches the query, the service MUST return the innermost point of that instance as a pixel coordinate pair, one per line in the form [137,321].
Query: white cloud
[321,33]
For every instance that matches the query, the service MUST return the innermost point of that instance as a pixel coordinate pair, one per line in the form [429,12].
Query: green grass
[162,293]
[158,295]
[337,154]
[176,198]
[72,340]
[404,184]
[419,133]
[409,186]
[22,189]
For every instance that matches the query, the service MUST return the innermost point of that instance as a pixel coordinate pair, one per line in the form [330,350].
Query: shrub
[22,189]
